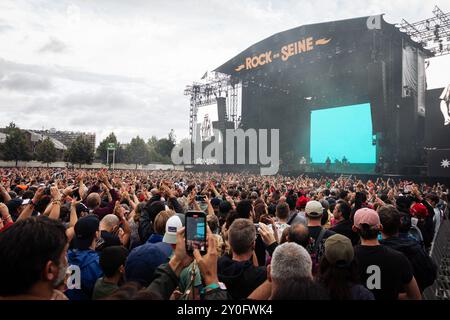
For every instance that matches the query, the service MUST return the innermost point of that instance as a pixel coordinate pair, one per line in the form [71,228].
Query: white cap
[172,226]
[314,208]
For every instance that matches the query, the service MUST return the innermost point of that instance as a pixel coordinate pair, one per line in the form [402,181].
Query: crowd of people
[120,235]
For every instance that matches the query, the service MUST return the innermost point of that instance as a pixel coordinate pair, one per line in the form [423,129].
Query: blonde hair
[159,225]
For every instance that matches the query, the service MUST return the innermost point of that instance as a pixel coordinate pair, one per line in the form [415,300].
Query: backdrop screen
[342,131]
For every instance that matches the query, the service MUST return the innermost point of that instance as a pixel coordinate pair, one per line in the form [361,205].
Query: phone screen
[195,232]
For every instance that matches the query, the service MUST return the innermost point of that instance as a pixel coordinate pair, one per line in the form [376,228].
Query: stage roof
[305,40]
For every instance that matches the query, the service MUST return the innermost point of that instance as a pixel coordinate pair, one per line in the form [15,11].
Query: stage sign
[439,163]
[437,119]
[308,44]
[283,53]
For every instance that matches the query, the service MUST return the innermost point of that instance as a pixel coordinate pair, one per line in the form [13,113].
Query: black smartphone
[195,233]
[76,194]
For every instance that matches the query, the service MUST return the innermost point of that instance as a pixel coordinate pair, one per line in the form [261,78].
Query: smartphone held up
[195,232]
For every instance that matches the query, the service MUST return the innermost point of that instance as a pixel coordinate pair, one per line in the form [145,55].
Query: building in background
[67,137]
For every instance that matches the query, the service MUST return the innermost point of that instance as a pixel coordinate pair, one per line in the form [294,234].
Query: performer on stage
[328,163]
[302,160]
[445,105]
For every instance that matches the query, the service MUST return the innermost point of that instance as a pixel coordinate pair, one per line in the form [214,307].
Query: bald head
[299,234]
[93,200]
[109,222]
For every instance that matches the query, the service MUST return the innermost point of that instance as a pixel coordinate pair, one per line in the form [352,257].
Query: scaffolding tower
[433,33]
[214,85]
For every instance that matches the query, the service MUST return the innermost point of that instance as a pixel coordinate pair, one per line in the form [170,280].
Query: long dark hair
[338,279]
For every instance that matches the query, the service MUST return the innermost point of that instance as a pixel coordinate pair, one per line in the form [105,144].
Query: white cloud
[129,61]
[24,81]
[53,45]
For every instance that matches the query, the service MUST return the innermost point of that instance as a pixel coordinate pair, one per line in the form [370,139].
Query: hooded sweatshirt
[88,262]
[240,277]
[424,269]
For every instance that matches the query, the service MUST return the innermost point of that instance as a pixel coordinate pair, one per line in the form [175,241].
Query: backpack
[292,218]
[424,269]
[315,249]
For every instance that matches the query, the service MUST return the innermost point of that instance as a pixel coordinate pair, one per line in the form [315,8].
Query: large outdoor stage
[351,93]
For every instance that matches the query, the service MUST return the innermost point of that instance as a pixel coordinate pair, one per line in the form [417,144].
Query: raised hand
[267,236]
[208,263]
[180,259]
[54,192]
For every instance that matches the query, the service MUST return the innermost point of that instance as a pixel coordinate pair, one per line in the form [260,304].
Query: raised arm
[119,212]
[5,194]
[210,210]
[56,201]
[70,231]
[28,210]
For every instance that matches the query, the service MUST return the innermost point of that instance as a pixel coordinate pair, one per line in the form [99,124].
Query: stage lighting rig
[433,33]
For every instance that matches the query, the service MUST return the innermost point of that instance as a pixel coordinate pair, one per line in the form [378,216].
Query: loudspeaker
[377,94]
[221,109]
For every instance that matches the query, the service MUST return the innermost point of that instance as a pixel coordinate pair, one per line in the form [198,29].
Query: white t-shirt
[280,226]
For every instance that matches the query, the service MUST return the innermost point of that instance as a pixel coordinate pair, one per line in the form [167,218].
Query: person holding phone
[166,276]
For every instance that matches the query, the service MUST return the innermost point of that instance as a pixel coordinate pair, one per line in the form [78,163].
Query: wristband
[211,286]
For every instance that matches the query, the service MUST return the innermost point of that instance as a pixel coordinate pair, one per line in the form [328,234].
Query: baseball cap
[143,261]
[325,204]
[215,202]
[339,250]
[331,202]
[81,207]
[85,230]
[224,207]
[182,217]
[313,209]
[366,216]
[301,202]
[419,210]
[172,226]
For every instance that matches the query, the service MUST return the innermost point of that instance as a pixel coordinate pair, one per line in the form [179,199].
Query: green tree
[164,146]
[46,151]
[138,152]
[152,142]
[80,151]
[16,146]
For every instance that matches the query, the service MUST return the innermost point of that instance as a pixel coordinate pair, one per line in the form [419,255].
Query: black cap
[81,207]
[224,207]
[85,230]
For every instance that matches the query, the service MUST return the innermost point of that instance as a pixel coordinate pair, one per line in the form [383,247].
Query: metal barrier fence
[440,290]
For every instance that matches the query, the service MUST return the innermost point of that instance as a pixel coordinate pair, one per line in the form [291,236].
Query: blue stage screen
[342,131]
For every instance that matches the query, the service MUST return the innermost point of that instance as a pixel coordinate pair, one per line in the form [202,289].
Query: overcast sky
[110,65]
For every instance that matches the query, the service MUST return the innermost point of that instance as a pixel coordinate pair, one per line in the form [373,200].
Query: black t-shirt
[383,271]
[314,233]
